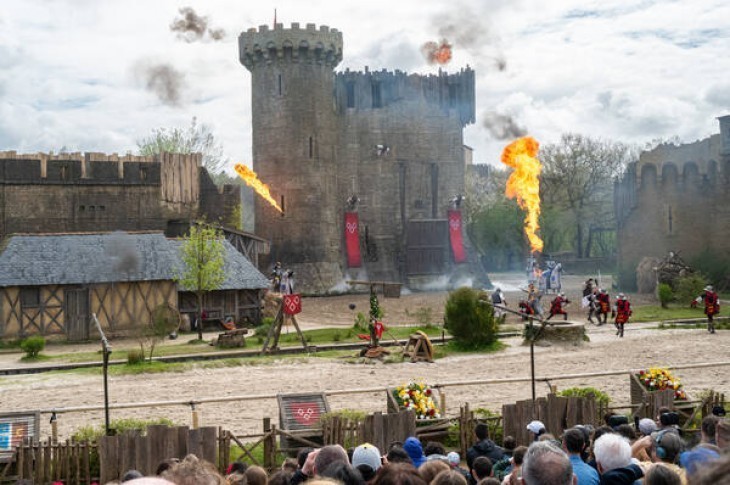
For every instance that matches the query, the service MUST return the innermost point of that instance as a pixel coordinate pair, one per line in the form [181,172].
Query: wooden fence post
[267,443]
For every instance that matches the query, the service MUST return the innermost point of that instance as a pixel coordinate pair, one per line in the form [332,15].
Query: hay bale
[646,275]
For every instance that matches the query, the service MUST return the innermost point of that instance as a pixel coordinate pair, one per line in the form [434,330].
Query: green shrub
[664,292]
[262,330]
[32,346]
[361,322]
[135,356]
[714,266]
[469,318]
[601,397]
[93,433]
[689,287]
[336,337]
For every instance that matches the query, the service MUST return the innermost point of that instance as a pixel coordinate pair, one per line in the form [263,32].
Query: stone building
[675,198]
[389,142]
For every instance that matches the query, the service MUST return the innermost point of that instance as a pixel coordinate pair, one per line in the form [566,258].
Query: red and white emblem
[292,304]
[455,223]
[305,413]
[351,227]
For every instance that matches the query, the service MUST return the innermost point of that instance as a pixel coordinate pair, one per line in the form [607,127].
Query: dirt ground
[642,347]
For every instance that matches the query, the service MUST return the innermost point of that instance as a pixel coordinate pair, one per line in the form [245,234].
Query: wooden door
[76,303]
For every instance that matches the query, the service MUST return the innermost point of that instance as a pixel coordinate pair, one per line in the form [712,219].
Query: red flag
[379,328]
[292,304]
[352,240]
[457,243]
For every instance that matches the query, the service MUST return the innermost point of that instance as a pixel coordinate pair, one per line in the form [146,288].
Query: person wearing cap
[712,306]
[622,312]
[415,451]
[498,300]
[663,447]
[366,458]
[557,307]
[603,305]
[537,429]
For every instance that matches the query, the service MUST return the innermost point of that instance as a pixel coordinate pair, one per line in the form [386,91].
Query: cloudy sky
[98,75]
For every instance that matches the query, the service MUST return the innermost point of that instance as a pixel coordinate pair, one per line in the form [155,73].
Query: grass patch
[453,348]
[654,313]
[36,358]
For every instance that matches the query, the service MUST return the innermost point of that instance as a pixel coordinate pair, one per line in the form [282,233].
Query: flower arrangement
[418,397]
[659,379]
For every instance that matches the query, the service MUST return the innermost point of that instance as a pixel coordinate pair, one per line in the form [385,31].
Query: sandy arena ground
[641,347]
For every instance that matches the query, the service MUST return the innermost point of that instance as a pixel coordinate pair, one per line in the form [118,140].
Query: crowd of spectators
[648,452]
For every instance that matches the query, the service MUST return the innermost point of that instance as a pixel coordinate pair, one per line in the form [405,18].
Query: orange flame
[252,180]
[524,184]
[436,53]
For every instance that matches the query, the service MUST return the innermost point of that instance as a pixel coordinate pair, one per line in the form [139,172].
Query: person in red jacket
[604,305]
[712,306]
[622,312]
[556,307]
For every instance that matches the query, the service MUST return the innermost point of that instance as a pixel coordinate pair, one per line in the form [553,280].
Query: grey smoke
[503,127]
[122,251]
[163,80]
[192,27]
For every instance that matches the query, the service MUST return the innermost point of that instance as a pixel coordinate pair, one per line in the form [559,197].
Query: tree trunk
[579,239]
[200,315]
[589,243]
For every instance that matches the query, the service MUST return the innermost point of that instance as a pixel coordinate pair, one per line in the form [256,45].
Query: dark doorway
[76,311]
[427,247]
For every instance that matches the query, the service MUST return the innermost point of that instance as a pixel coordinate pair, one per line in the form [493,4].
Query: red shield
[292,304]
[305,413]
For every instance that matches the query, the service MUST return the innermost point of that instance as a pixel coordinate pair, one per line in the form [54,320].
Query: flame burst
[524,183]
[436,53]
[252,180]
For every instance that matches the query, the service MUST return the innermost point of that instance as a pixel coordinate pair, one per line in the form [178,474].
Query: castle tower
[295,145]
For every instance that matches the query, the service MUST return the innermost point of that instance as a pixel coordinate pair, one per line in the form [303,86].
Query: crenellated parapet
[296,44]
[367,89]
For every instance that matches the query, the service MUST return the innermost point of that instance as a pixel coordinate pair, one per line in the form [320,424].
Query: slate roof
[71,259]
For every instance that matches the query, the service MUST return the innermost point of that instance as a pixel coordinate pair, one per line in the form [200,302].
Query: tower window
[64,172]
[377,95]
[279,84]
[143,173]
[350,89]
[283,206]
[452,95]
[311,147]
[669,219]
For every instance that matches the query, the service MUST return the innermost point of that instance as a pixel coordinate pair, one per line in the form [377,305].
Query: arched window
[648,175]
[690,173]
[670,174]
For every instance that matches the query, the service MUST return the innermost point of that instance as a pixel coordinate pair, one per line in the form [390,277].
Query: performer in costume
[604,306]
[556,307]
[592,303]
[622,312]
[712,306]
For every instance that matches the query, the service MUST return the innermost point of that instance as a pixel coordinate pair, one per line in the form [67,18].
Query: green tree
[197,138]
[469,317]
[577,178]
[202,254]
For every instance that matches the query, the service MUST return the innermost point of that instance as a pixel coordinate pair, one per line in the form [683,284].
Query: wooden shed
[51,284]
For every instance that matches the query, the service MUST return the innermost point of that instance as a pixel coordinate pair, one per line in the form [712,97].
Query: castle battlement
[309,44]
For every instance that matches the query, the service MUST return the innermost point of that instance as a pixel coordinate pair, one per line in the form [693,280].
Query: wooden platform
[233,338]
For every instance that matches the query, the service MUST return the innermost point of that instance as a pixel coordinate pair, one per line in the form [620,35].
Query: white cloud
[629,70]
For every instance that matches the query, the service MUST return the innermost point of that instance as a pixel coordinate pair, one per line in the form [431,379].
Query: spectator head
[255,475]
[481,468]
[573,441]
[661,475]
[454,459]
[449,477]
[236,479]
[131,475]
[236,467]
[536,428]
[328,455]
[696,459]
[397,474]
[709,423]
[192,470]
[481,430]
[290,465]
[722,434]
[434,448]
[367,456]
[509,443]
[166,465]
[302,456]
[518,457]
[715,473]
[415,451]
[397,454]
[344,473]
[282,477]
[667,446]
[612,451]
[137,481]
[626,431]
[647,426]
[718,410]
[489,481]
[545,463]
[430,469]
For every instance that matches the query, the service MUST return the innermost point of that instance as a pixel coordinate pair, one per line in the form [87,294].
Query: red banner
[457,242]
[305,413]
[352,240]
[292,304]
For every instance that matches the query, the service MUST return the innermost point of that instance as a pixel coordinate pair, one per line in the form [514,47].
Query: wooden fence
[46,462]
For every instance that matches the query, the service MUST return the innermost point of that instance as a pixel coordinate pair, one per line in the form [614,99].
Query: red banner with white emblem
[305,413]
[457,242]
[352,240]
[292,304]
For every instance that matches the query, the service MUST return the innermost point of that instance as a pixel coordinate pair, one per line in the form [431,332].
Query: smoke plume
[163,80]
[122,252]
[191,27]
[503,127]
